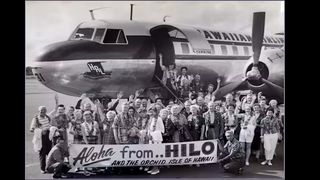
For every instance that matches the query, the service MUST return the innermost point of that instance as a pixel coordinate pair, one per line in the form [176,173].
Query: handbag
[37,140]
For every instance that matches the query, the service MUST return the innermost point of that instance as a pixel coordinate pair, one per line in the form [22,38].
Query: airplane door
[163,44]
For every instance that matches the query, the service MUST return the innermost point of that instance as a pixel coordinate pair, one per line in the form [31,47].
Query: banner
[193,152]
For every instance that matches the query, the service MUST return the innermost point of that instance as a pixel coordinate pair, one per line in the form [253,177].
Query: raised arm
[53,112]
[86,99]
[237,109]
[161,62]
[218,86]
[221,148]
[78,105]
[243,103]
[99,110]
[254,97]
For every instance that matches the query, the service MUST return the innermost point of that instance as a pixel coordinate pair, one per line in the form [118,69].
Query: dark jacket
[216,130]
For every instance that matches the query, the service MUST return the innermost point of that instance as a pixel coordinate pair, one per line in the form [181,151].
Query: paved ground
[37,94]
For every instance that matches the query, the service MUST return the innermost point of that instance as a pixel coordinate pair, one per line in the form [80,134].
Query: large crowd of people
[242,124]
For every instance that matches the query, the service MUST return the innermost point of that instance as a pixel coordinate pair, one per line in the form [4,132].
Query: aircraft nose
[65,50]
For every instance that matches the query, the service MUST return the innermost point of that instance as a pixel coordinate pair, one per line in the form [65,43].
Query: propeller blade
[230,87]
[257,35]
[278,90]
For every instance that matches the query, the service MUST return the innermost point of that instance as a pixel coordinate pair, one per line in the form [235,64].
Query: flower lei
[90,131]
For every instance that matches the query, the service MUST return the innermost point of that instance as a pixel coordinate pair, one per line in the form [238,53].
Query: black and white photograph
[154,89]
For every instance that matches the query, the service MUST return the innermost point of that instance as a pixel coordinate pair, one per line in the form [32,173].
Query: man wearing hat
[232,156]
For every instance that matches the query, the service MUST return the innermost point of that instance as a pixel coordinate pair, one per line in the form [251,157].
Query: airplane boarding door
[163,45]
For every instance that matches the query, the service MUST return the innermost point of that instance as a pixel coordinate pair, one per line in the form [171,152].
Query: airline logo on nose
[96,67]
[96,71]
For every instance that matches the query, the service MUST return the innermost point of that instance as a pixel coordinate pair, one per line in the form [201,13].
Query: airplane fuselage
[92,65]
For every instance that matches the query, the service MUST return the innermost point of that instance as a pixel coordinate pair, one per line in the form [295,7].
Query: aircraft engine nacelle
[270,66]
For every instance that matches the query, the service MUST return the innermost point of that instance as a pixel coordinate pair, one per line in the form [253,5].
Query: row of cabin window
[110,36]
[185,49]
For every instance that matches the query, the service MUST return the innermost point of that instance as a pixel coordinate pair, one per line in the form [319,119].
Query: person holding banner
[133,132]
[90,129]
[169,127]
[196,125]
[232,155]
[155,131]
[90,133]
[145,134]
[142,124]
[56,160]
[180,122]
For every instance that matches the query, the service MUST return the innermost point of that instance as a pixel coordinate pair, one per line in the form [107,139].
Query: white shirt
[159,128]
[209,97]
[182,77]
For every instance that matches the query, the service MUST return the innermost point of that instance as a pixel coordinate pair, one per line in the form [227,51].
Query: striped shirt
[40,122]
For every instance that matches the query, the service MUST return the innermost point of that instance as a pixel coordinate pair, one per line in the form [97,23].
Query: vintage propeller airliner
[104,57]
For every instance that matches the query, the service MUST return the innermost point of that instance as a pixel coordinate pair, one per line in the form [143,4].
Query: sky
[53,21]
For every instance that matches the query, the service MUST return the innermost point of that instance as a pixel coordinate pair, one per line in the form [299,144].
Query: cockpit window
[121,38]
[99,34]
[115,36]
[84,33]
